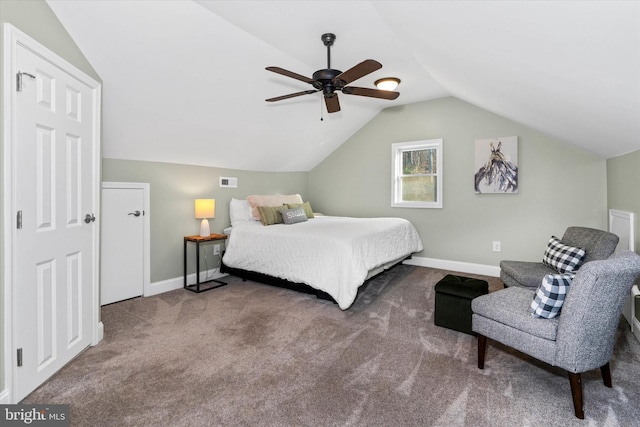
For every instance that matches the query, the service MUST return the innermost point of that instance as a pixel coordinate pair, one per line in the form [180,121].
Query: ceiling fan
[329,80]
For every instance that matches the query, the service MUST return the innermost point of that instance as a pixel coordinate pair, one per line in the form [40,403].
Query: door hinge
[19,357]
[19,220]
[19,79]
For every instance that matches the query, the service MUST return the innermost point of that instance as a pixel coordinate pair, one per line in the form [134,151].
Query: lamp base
[205,231]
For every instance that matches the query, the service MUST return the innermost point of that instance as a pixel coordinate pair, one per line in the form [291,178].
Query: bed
[333,255]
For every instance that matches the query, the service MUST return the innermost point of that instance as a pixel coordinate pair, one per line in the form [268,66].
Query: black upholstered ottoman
[453,301]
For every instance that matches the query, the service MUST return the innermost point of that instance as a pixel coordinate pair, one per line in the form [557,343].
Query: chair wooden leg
[606,375]
[576,392]
[482,349]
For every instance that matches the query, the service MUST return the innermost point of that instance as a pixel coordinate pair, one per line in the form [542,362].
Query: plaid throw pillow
[549,297]
[565,259]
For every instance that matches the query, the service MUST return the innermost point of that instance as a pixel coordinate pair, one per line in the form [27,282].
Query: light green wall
[623,187]
[559,185]
[355,179]
[36,19]
[173,191]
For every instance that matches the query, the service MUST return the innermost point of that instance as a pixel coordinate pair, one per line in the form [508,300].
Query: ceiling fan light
[387,83]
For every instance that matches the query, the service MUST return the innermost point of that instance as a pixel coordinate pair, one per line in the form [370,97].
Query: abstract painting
[496,165]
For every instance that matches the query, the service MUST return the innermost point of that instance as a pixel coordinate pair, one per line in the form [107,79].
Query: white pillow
[239,211]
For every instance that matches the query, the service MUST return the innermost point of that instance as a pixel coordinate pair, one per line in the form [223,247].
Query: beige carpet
[253,355]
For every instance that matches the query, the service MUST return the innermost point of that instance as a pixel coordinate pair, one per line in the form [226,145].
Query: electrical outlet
[497,247]
[216,249]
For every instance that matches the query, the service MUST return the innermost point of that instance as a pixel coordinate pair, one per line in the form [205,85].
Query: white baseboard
[100,333]
[463,267]
[178,282]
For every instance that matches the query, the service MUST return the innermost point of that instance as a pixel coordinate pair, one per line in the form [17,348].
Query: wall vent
[228,182]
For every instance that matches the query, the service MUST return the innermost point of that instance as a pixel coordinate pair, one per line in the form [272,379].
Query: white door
[54,257]
[122,259]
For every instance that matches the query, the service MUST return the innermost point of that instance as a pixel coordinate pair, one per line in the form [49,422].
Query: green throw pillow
[270,215]
[306,206]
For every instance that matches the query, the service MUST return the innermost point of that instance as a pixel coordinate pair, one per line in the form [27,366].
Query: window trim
[396,173]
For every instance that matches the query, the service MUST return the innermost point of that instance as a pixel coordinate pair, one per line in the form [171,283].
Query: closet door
[122,269]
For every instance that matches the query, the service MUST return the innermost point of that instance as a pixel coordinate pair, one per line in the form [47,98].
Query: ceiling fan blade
[354,73]
[372,93]
[290,74]
[333,105]
[291,95]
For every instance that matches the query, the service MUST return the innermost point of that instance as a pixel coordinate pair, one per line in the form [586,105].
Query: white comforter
[332,254]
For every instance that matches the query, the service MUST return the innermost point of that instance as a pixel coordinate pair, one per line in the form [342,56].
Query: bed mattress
[331,254]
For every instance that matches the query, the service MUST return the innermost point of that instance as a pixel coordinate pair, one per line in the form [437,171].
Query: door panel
[54,251]
[45,181]
[45,313]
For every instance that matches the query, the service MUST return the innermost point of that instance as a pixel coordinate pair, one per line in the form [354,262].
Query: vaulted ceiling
[185,82]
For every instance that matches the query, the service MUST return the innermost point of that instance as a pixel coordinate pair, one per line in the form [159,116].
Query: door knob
[136,213]
[89,218]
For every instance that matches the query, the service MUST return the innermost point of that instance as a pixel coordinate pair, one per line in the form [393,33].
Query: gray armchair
[581,338]
[598,244]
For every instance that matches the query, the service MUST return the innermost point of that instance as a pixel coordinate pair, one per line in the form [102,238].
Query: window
[417,174]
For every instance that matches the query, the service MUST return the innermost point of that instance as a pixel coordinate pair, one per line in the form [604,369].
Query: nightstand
[209,284]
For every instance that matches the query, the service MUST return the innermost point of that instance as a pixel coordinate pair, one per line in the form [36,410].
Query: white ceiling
[184,81]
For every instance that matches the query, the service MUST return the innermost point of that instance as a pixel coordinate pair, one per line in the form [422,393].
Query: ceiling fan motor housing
[324,80]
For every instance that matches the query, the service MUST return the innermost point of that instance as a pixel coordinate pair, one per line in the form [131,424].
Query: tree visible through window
[417,174]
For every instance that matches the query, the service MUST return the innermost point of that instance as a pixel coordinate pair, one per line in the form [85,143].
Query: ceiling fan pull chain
[321,111]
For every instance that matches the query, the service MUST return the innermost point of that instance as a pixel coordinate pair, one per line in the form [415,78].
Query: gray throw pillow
[292,216]
[306,206]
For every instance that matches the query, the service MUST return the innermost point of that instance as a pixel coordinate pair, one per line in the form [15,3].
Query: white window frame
[396,173]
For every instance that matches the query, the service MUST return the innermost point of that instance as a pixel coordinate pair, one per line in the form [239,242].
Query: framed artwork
[496,165]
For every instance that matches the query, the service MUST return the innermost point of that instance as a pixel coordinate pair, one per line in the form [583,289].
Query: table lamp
[205,208]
